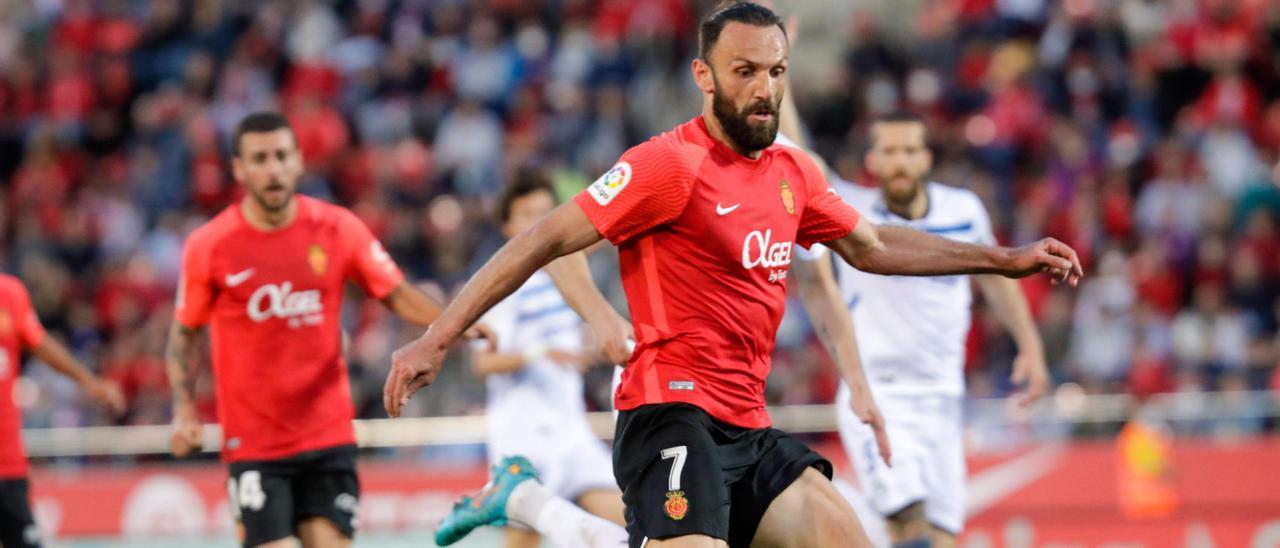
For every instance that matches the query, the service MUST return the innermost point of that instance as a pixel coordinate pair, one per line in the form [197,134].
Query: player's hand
[865,408]
[413,366]
[616,339]
[1029,369]
[106,394]
[1047,255]
[480,331]
[188,433]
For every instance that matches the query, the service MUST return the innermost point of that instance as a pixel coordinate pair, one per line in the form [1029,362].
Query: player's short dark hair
[741,12]
[527,181]
[897,117]
[258,122]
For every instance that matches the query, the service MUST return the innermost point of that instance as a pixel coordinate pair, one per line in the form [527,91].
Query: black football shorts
[269,498]
[683,472]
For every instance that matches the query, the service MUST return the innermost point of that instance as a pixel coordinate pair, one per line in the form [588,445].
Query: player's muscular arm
[186,436]
[895,250]
[564,231]
[572,276]
[834,326]
[1010,305]
[101,391]
[412,305]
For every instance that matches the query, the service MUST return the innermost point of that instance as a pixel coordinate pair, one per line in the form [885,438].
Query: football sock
[562,522]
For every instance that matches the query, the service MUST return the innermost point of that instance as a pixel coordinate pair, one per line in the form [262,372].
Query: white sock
[561,521]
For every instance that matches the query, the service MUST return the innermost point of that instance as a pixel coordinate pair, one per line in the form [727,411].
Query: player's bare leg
[941,538]
[321,533]
[688,541]
[809,513]
[605,503]
[514,537]
[909,527]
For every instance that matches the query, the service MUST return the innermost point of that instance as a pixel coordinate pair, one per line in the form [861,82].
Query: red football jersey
[705,238]
[19,330]
[272,301]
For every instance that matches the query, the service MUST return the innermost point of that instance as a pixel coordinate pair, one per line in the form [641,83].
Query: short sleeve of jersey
[370,266]
[826,216]
[194,302]
[982,231]
[648,188]
[30,332]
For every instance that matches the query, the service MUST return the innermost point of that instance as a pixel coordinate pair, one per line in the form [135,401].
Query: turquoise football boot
[489,506]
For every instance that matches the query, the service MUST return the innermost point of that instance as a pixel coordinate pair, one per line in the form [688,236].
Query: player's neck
[717,133]
[914,209]
[263,219]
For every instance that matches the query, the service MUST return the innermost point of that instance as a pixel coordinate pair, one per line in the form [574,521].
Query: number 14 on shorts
[247,492]
[677,506]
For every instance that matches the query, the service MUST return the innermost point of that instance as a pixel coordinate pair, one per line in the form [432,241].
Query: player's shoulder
[956,198]
[10,284]
[680,150]
[789,151]
[217,229]
[315,210]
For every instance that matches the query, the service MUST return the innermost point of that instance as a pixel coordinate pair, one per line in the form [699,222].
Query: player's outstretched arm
[895,250]
[416,365]
[413,305]
[834,326]
[1010,305]
[572,276]
[101,391]
[187,431]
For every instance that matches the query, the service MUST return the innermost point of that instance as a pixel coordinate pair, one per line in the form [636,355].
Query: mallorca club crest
[676,506]
[318,260]
[788,198]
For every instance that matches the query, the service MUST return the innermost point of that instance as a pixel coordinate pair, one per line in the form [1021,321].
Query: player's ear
[702,76]
[237,169]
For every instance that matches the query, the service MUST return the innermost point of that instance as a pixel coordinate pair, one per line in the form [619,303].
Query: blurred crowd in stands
[1141,132]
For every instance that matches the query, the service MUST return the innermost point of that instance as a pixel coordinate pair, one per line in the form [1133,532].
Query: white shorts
[926,436]
[570,461]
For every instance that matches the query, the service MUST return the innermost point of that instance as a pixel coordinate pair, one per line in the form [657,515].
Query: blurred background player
[20,331]
[534,378]
[705,219]
[268,275]
[911,333]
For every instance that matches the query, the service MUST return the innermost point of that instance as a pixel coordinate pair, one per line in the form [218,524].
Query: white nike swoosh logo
[721,210]
[239,277]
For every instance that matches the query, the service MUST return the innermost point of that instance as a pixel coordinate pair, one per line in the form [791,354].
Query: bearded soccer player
[20,330]
[705,217]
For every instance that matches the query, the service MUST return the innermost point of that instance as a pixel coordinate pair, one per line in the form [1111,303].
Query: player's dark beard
[737,126]
[261,198]
[900,199]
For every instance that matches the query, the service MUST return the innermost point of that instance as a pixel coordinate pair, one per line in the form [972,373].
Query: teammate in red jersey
[267,275]
[20,330]
[705,217]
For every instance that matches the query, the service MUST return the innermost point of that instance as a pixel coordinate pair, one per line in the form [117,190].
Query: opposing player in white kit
[911,333]
[534,379]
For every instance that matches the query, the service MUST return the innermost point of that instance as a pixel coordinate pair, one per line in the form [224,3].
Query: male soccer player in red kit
[20,330]
[705,218]
[267,275]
